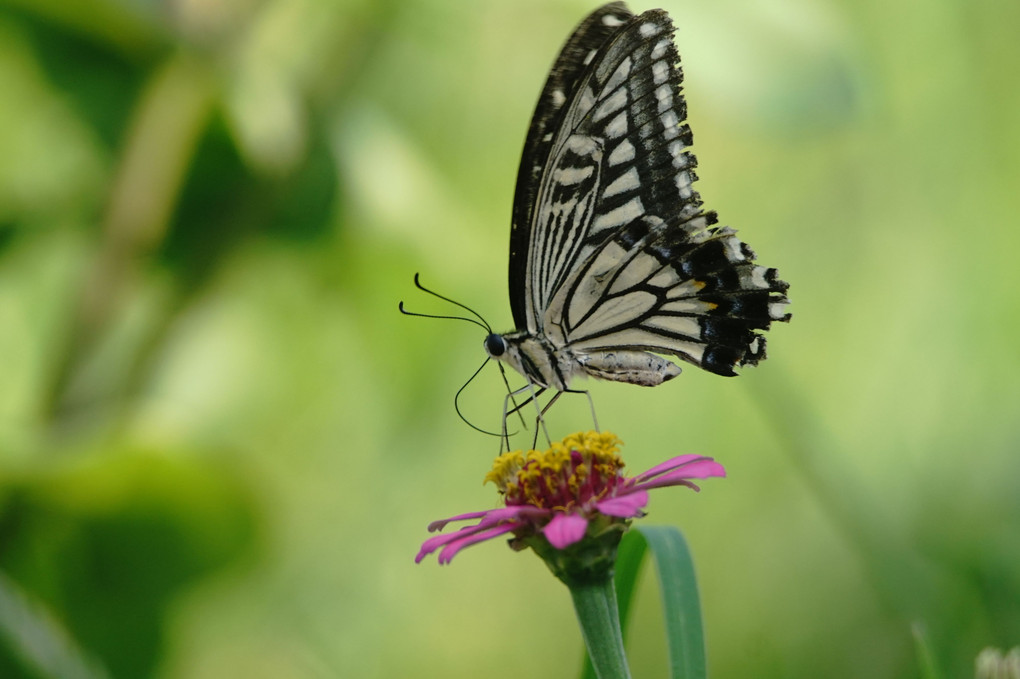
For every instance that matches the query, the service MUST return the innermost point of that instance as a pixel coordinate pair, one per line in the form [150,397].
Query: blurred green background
[220,444]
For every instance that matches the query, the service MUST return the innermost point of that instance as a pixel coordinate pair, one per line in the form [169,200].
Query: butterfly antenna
[456,404]
[451,318]
[484,323]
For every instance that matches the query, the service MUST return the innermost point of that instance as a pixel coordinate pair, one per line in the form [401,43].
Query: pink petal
[494,513]
[490,516]
[468,535]
[702,469]
[565,529]
[494,522]
[669,465]
[434,543]
[693,467]
[624,506]
[669,483]
[451,550]
[678,477]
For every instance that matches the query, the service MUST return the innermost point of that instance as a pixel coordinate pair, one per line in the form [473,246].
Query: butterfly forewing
[573,61]
[611,255]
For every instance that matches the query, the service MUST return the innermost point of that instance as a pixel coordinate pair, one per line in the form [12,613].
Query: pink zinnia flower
[571,491]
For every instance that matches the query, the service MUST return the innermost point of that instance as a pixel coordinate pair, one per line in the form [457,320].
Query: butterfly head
[495,345]
[507,349]
[533,356]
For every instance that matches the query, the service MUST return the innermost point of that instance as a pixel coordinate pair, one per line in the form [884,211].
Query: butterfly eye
[495,345]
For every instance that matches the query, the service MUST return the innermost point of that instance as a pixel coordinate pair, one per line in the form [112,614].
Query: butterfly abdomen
[633,367]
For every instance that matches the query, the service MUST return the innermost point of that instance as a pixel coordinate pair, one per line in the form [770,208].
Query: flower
[571,498]
[991,663]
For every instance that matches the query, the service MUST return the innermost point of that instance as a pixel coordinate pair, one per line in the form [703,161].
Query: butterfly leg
[507,412]
[556,396]
[541,418]
[541,415]
[591,404]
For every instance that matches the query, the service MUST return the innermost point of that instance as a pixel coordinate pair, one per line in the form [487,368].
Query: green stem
[158,149]
[597,613]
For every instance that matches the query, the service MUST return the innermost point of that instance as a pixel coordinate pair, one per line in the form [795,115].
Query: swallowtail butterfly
[613,262]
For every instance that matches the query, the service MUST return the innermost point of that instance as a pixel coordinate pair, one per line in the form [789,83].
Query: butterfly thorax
[535,357]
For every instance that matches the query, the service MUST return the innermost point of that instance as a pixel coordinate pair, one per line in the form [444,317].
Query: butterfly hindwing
[654,287]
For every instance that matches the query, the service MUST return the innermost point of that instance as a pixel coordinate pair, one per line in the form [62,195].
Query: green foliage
[109,541]
[220,444]
[678,591]
[926,660]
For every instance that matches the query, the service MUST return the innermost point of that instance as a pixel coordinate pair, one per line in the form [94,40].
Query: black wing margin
[567,72]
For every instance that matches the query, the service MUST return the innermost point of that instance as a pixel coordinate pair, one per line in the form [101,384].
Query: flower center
[575,471]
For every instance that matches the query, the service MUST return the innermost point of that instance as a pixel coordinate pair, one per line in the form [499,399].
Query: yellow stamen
[537,474]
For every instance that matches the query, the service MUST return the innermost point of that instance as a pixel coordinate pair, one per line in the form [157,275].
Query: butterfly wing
[541,146]
[620,256]
[686,290]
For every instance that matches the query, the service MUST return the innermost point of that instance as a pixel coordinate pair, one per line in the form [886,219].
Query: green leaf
[681,605]
[39,640]
[925,656]
[105,544]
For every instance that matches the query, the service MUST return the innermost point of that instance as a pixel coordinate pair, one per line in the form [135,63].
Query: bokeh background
[220,444]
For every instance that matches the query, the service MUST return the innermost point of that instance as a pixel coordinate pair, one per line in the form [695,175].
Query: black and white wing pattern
[613,262]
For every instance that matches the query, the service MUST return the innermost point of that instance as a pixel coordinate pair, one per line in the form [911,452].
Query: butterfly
[614,265]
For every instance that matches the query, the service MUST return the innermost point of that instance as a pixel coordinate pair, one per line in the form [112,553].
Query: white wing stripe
[637,270]
[616,311]
[628,181]
[647,30]
[689,288]
[611,104]
[688,306]
[592,286]
[623,153]
[636,337]
[617,127]
[683,184]
[664,94]
[670,124]
[619,76]
[757,279]
[679,325]
[585,103]
[660,72]
[568,176]
[624,214]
